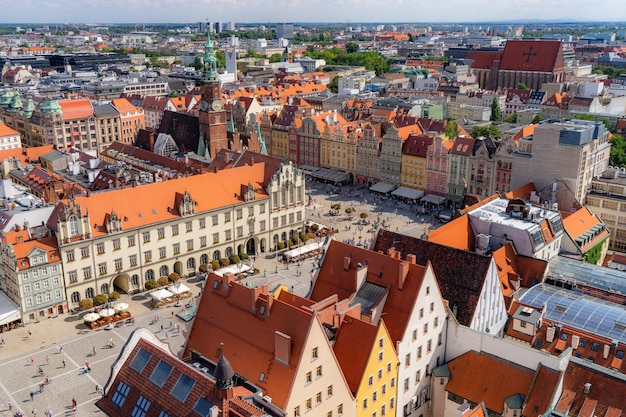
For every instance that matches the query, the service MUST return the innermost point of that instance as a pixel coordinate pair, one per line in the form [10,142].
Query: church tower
[211,113]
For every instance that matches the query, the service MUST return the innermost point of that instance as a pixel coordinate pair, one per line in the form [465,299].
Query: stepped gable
[460,274]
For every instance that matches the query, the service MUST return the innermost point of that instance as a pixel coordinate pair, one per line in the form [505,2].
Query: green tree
[490,131]
[536,119]
[452,129]
[333,85]
[86,304]
[173,277]
[197,63]
[114,296]
[100,299]
[151,284]
[352,47]
[496,116]
[618,151]
[522,86]
[253,54]
[276,57]
[511,118]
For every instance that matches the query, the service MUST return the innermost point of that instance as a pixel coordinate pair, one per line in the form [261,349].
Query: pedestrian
[41,388]
[166,335]
[10,404]
[94,351]
[32,396]
[34,412]
[30,333]
[32,360]
[64,363]
[60,349]
[2,341]
[161,327]
[74,404]
[97,388]
[47,359]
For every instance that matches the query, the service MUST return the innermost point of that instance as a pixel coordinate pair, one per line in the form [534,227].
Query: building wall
[413,172]
[437,165]
[490,314]
[390,161]
[367,158]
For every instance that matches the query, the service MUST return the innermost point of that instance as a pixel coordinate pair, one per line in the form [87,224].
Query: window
[203,407]
[389,367]
[309,404]
[161,233]
[131,241]
[329,414]
[70,255]
[216,238]
[160,374]
[418,376]
[116,244]
[406,384]
[425,328]
[429,345]
[340,409]
[190,244]
[182,388]
[296,411]
[419,352]
[432,307]
[314,353]
[99,248]
[226,217]
[370,381]
[374,396]
[120,394]
[29,303]
[141,408]
[414,335]
[380,373]
[188,226]
[392,383]
[309,377]
[214,219]
[202,223]
[427,290]
[118,264]
[162,253]
[407,360]
[421,313]
[176,248]
[146,237]
[380,356]
[37,286]
[174,230]
[147,255]
[239,214]
[436,322]
[384,389]
[102,268]
[133,260]
[202,241]
[329,391]
[318,398]
[140,360]
[364,403]
[318,371]
[392,402]
[239,231]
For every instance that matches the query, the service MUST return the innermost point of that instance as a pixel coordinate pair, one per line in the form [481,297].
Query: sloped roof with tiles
[478,377]
[417,145]
[229,320]
[23,249]
[483,59]
[334,278]
[7,131]
[76,109]
[542,391]
[185,390]
[152,203]
[531,55]
[583,221]
[457,234]
[123,106]
[463,145]
[353,344]
[460,274]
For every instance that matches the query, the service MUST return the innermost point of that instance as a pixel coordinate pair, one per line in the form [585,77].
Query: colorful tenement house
[131,120]
[414,161]
[437,166]
[367,155]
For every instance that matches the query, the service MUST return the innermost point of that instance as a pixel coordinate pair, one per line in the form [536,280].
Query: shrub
[173,277]
[224,262]
[151,284]
[100,299]
[203,267]
[303,236]
[233,259]
[288,243]
[311,236]
[215,265]
[315,227]
[296,241]
[163,281]
[280,245]
[243,256]
[86,304]
[363,215]
[114,296]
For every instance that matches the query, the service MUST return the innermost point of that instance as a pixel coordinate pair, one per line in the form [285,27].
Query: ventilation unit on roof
[587,388]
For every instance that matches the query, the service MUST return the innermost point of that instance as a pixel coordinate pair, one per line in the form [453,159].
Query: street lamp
[177,285]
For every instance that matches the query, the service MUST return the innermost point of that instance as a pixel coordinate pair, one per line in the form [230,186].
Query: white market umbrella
[121,307]
[91,317]
[107,312]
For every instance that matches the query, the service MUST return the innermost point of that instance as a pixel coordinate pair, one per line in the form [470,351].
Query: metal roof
[583,273]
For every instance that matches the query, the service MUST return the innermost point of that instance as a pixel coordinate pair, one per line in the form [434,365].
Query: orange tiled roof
[7,131]
[580,221]
[353,344]
[478,377]
[48,244]
[76,109]
[457,234]
[123,105]
[152,203]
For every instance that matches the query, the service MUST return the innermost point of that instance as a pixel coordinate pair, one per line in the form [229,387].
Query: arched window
[149,274]
[191,263]
[229,251]
[104,289]
[73,226]
[75,297]
[283,236]
[164,271]
[89,293]
[216,255]
[135,279]
[275,239]
[204,258]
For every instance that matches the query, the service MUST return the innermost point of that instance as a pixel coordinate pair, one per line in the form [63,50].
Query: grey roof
[527,314]
[367,295]
[572,308]
[104,109]
[442,371]
[583,273]
[515,402]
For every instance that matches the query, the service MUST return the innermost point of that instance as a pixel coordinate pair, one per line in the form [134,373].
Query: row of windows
[46,284]
[309,407]
[48,297]
[44,271]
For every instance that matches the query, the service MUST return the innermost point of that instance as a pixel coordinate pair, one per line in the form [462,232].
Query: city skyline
[179,11]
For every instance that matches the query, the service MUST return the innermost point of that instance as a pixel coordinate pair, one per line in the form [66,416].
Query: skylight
[160,373]
[140,360]
[182,388]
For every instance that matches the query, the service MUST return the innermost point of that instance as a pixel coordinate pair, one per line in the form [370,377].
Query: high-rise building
[284,30]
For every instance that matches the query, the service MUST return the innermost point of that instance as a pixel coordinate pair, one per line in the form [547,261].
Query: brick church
[532,62]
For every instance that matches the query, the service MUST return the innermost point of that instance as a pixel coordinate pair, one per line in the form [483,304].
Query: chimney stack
[282,347]
[403,271]
[411,258]
[346,263]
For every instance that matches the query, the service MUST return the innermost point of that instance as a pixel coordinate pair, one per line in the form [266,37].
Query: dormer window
[73,226]
[187,205]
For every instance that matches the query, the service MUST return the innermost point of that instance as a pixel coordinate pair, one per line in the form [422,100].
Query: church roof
[530,55]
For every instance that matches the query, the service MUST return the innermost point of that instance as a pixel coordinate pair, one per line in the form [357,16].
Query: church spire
[210,61]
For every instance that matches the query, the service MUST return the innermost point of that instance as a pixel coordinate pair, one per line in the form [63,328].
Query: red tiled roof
[530,55]
[483,59]
[7,131]
[353,344]
[417,145]
[76,109]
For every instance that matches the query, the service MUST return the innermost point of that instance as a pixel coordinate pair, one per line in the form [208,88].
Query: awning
[409,193]
[161,294]
[433,199]
[382,187]
[330,175]
[9,311]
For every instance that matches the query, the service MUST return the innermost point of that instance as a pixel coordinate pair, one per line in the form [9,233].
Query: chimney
[605,353]
[346,263]
[550,334]
[587,388]
[403,271]
[575,341]
[226,157]
[282,347]
[411,258]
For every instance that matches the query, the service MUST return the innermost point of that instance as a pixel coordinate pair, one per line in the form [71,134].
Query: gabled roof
[483,59]
[457,233]
[382,270]
[584,221]
[478,377]
[460,274]
[530,55]
[7,131]
[123,106]
[463,145]
[417,145]
[229,321]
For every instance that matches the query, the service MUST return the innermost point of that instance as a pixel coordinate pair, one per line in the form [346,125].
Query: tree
[363,215]
[452,129]
[490,131]
[243,256]
[163,281]
[224,262]
[333,85]
[618,151]
[204,267]
[197,63]
[511,118]
[114,296]
[522,86]
[215,265]
[536,119]
[352,47]
[174,276]
[151,284]
[276,57]
[86,304]
[496,116]
[100,299]
[234,259]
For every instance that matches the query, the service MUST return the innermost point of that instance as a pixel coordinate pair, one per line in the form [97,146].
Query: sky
[346,11]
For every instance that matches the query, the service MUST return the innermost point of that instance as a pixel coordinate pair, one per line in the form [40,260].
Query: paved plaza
[67,338]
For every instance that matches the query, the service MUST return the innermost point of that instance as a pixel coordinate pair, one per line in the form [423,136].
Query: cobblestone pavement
[22,355]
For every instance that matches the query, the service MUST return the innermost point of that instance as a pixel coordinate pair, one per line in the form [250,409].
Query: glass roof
[594,276]
[367,296]
[593,315]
